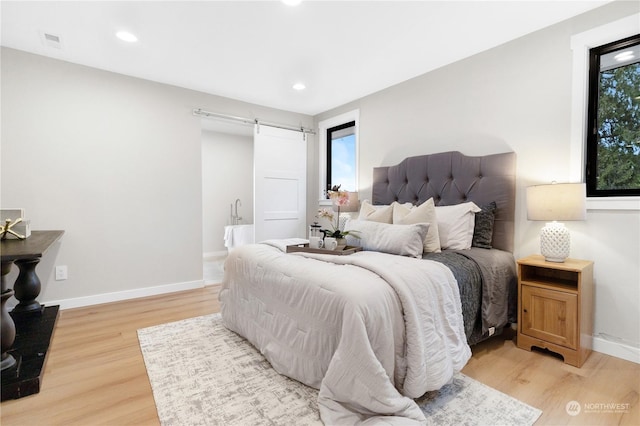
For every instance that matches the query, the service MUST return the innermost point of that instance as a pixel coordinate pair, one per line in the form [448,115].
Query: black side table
[24,322]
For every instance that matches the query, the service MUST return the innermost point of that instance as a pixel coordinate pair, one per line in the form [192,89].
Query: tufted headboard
[453,178]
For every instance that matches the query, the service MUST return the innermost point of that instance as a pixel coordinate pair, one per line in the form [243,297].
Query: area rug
[203,374]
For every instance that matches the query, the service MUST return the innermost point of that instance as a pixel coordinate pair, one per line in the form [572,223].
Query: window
[338,156]
[341,156]
[613,119]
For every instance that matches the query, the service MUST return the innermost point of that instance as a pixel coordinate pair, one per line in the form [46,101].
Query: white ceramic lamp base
[342,220]
[555,242]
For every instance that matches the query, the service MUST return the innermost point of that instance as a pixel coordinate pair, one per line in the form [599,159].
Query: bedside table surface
[568,265]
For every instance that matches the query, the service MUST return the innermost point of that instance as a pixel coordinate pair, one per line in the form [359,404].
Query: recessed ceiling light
[299,86]
[291,2]
[126,36]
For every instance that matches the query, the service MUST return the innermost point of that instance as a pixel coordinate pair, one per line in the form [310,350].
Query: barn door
[280,183]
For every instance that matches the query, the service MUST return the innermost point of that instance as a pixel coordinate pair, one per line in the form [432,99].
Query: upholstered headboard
[453,178]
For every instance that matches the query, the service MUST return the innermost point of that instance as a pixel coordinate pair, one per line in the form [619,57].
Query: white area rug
[203,374]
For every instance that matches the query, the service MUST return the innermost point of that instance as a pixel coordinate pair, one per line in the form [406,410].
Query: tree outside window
[613,137]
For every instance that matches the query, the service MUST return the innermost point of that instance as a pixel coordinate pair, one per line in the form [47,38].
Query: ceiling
[255,51]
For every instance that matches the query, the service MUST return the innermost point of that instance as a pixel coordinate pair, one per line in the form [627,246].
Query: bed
[376,329]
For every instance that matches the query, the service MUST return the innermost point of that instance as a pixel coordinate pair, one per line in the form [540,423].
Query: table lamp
[556,202]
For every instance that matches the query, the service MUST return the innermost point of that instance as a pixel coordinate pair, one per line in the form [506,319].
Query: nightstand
[555,307]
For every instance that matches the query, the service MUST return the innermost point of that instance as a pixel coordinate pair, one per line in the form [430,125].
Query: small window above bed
[338,159]
[341,157]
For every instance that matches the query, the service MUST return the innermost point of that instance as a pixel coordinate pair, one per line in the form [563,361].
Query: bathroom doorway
[227,176]
[244,200]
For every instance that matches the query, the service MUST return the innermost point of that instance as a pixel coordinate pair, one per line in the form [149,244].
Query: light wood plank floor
[95,373]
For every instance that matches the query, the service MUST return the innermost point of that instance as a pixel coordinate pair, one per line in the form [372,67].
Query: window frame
[329,146]
[324,154]
[591,167]
[580,45]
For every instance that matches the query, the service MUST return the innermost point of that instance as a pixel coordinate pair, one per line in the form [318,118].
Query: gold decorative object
[6,229]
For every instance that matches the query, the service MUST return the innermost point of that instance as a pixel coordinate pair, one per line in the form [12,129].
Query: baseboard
[220,253]
[79,302]
[616,349]
[601,345]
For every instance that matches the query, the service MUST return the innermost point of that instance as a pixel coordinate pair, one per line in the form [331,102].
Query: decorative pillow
[404,240]
[483,230]
[382,214]
[424,213]
[455,225]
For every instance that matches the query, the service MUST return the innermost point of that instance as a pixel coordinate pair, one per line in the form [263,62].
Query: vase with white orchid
[338,198]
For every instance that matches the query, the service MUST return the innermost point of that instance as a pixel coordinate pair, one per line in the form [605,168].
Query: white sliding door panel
[280,180]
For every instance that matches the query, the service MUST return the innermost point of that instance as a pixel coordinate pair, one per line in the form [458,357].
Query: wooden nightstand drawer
[550,315]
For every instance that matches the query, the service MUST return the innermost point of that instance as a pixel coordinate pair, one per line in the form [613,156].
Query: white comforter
[370,330]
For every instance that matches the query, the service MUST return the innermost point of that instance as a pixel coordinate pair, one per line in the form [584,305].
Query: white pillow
[424,213]
[455,225]
[383,214]
[404,240]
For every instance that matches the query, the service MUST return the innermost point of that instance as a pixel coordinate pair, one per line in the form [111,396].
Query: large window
[613,122]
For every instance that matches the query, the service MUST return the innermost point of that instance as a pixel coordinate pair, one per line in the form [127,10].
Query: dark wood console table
[27,330]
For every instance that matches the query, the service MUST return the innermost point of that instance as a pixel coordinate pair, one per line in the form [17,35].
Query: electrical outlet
[61,273]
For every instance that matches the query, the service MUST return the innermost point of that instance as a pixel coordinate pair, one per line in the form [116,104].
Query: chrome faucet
[235,219]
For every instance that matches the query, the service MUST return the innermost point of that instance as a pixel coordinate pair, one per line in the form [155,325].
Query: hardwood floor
[95,374]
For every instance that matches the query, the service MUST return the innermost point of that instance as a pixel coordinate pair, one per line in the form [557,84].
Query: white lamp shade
[560,201]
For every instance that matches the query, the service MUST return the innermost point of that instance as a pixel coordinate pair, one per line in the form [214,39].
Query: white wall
[227,174]
[515,97]
[115,161]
